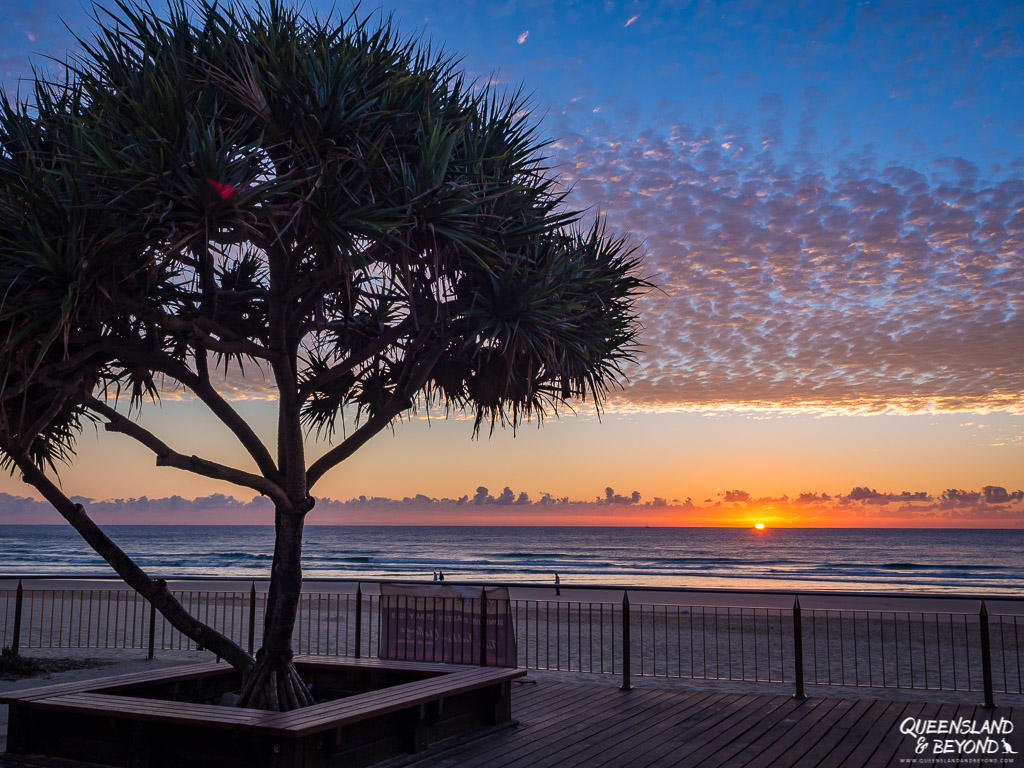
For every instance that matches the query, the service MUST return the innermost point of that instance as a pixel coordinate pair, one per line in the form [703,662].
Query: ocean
[876,560]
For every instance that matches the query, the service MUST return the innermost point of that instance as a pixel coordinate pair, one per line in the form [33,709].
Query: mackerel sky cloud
[861,286]
[833,206]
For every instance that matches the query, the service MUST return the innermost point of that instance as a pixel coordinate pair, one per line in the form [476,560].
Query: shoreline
[850,597]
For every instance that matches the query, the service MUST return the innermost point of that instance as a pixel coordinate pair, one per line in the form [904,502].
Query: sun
[759,526]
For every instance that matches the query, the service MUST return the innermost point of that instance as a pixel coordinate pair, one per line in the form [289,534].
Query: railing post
[252,617]
[359,619]
[986,656]
[627,650]
[152,632]
[798,650]
[483,626]
[19,601]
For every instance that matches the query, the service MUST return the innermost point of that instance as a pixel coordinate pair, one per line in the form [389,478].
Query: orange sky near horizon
[708,457]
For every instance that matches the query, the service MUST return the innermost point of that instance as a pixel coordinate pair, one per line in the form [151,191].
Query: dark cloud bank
[952,507]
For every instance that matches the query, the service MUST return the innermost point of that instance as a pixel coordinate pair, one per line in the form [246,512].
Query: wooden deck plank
[690,714]
[979,713]
[392,664]
[537,724]
[543,737]
[779,734]
[936,712]
[308,720]
[565,702]
[116,682]
[606,728]
[680,707]
[974,712]
[621,731]
[535,697]
[538,715]
[695,743]
[886,722]
[895,745]
[548,743]
[561,706]
[819,753]
[685,706]
[698,723]
[653,733]
[808,737]
[154,710]
[569,747]
[694,748]
[852,739]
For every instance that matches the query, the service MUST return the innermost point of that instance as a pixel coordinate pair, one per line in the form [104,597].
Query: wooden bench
[116,682]
[434,706]
[153,710]
[333,714]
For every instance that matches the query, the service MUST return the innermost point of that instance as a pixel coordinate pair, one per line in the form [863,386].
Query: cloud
[809,497]
[789,281]
[989,506]
[871,496]
[214,509]
[736,496]
[522,38]
[631,20]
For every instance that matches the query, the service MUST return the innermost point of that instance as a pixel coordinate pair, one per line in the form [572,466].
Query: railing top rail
[563,586]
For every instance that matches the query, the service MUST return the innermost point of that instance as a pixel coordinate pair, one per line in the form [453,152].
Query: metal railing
[876,640]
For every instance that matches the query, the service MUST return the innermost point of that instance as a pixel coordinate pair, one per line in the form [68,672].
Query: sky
[831,199]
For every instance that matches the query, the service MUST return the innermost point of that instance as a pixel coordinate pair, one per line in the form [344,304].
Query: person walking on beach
[435,575]
[558,588]
[440,575]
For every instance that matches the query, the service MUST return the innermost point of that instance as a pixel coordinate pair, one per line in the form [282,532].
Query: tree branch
[153,590]
[212,399]
[228,294]
[166,457]
[203,329]
[399,402]
[375,347]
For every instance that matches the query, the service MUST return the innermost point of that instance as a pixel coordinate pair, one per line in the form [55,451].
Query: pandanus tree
[216,191]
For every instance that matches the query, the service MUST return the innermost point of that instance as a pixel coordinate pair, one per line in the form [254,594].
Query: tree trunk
[273,682]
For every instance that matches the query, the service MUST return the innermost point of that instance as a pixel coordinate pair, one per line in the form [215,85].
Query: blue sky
[832,199]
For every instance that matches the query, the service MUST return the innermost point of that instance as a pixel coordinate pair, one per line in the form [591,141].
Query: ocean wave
[533,555]
[713,561]
[935,566]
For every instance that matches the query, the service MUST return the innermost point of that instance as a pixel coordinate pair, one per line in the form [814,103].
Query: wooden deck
[568,725]
[581,725]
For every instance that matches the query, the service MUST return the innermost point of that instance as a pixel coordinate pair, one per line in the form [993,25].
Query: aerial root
[277,687]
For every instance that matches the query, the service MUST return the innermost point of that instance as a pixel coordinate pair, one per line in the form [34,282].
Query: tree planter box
[372,710]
